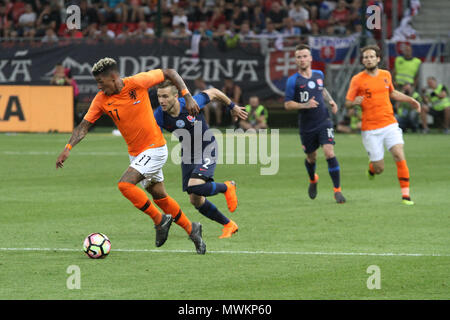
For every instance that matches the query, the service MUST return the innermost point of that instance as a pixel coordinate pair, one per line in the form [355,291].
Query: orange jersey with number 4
[132,112]
[377,111]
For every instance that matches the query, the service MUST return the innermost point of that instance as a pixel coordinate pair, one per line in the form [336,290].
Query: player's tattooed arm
[191,105]
[79,132]
[327,97]
[77,135]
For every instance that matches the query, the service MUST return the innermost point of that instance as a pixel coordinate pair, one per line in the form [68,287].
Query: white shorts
[149,163]
[376,140]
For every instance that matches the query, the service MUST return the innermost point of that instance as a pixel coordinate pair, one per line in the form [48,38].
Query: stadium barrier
[36,108]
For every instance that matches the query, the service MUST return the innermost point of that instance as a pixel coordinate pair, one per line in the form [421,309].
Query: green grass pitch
[287,247]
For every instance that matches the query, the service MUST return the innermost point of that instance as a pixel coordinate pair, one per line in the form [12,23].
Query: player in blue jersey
[306,93]
[198,147]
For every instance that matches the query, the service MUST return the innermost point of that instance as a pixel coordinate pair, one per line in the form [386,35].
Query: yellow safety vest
[406,70]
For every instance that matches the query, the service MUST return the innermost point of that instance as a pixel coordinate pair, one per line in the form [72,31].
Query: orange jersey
[132,112]
[377,111]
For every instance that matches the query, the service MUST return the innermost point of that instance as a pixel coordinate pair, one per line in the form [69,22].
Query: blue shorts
[204,171]
[311,141]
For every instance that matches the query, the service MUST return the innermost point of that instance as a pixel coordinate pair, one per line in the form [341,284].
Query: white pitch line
[389,254]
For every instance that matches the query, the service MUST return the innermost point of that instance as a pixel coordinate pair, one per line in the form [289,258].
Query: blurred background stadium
[249,41]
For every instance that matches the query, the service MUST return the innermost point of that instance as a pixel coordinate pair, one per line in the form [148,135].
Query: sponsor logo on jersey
[190,118]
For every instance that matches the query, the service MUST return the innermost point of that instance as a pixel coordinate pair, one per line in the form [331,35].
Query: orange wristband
[184,92]
[68,146]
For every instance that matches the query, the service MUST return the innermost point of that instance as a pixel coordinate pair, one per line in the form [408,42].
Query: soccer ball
[97,245]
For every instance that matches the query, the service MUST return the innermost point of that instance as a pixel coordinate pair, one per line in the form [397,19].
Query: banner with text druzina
[34,65]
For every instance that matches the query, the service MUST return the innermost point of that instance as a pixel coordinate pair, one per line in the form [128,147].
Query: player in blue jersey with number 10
[306,93]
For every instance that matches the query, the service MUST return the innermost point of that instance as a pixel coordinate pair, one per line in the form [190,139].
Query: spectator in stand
[181,31]
[228,8]
[112,11]
[125,34]
[5,21]
[27,22]
[240,14]
[47,19]
[325,9]
[276,15]
[149,9]
[50,36]
[197,11]
[136,12]
[204,30]
[355,12]
[104,34]
[221,31]
[340,18]
[259,19]
[179,17]
[217,18]
[315,30]
[89,15]
[245,33]
[300,16]
[290,30]
[270,31]
[143,31]
[91,31]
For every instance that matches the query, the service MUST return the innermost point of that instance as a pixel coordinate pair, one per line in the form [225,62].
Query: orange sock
[337,189]
[170,206]
[403,177]
[140,200]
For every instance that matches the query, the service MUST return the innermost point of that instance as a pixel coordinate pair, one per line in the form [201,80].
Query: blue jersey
[195,126]
[301,90]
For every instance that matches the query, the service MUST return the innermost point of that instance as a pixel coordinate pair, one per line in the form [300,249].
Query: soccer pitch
[287,247]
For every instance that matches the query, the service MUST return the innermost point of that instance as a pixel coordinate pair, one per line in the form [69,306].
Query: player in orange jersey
[127,102]
[372,89]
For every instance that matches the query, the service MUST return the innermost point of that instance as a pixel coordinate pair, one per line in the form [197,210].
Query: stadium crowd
[234,19]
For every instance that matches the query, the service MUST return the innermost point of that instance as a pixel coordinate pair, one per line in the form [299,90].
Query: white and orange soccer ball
[97,245]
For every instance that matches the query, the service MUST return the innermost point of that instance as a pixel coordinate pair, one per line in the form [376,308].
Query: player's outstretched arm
[399,96]
[191,105]
[236,111]
[77,135]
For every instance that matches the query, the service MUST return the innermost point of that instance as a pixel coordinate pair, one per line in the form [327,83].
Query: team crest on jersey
[311,84]
[190,118]
[180,124]
[132,94]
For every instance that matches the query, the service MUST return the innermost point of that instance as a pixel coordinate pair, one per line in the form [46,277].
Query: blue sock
[334,170]
[210,211]
[207,189]
[311,168]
